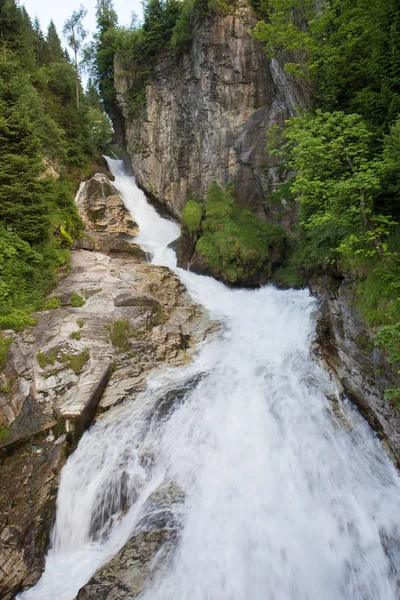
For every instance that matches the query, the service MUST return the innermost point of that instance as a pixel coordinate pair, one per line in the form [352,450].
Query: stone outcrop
[360,368]
[102,209]
[205,117]
[113,310]
[28,493]
[146,551]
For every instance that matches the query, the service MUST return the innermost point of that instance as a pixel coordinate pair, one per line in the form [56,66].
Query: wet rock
[148,549]
[347,347]
[27,511]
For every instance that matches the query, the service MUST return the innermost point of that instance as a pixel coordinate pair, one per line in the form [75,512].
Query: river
[288,494]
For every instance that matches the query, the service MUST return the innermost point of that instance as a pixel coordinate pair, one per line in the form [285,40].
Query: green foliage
[80,323]
[4,346]
[76,362]
[52,304]
[192,216]
[119,335]
[288,277]
[77,300]
[233,240]
[75,335]
[337,180]
[49,358]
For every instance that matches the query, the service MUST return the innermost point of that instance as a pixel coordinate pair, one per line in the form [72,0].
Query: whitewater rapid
[285,497]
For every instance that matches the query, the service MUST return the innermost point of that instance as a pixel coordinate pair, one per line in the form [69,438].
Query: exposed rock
[205,117]
[147,550]
[127,299]
[27,508]
[102,209]
[347,347]
[56,371]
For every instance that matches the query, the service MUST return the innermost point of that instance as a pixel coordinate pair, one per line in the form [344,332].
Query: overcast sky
[60,10]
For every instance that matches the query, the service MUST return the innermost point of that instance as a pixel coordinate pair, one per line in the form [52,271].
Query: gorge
[221,472]
[199,383]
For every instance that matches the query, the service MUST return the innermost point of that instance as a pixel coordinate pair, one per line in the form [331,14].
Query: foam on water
[285,498]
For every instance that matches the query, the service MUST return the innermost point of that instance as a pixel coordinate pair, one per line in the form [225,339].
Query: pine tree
[55,53]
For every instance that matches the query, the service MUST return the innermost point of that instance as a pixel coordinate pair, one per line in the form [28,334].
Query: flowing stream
[288,494]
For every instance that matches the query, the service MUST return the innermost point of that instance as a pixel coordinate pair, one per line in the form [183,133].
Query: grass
[80,323]
[119,334]
[75,335]
[49,358]
[52,303]
[76,362]
[71,361]
[77,300]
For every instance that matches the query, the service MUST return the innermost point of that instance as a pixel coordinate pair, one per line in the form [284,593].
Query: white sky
[60,11]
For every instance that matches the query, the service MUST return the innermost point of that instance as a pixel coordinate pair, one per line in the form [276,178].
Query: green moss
[48,358]
[75,335]
[4,346]
[234,241]
[77,300]
[119,334]
[288,277]
[80,323]
[76,362]
[192,216]
[4,432]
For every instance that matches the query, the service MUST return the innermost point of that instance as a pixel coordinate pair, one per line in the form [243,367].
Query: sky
[60,11]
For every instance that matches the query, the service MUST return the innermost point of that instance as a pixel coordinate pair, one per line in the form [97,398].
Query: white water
[284,500]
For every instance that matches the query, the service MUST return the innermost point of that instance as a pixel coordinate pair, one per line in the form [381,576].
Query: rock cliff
[205,116]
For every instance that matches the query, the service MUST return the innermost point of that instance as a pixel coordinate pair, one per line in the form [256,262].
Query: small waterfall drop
[284,497]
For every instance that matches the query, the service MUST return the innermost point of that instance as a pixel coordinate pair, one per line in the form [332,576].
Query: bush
[234,241]
[192,216]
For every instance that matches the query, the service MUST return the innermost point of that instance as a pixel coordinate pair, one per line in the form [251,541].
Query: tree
[55,52]
[75,33]
[337,180]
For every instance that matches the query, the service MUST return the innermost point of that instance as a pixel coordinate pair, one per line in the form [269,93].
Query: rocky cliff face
[206,114]
[359,367]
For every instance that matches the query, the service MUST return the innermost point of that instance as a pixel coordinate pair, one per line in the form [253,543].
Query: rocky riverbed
[117,318]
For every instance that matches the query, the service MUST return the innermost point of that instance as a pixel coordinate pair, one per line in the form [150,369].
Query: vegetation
[76,362]
[232,240]
[119,335]
[46,145]
[4,346]
[76,300]
[168,25]
[192,216]
[345,149]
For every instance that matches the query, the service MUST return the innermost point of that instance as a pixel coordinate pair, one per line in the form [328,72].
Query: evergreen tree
[54,50]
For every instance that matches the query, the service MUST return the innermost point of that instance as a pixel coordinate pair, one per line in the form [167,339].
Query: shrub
[192,216]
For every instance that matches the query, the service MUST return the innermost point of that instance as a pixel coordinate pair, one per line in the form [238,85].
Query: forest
[47,145]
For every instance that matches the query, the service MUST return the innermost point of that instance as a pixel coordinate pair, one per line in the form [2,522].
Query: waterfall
[287,493]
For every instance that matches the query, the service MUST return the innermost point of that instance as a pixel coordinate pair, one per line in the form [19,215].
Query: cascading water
[284,497]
